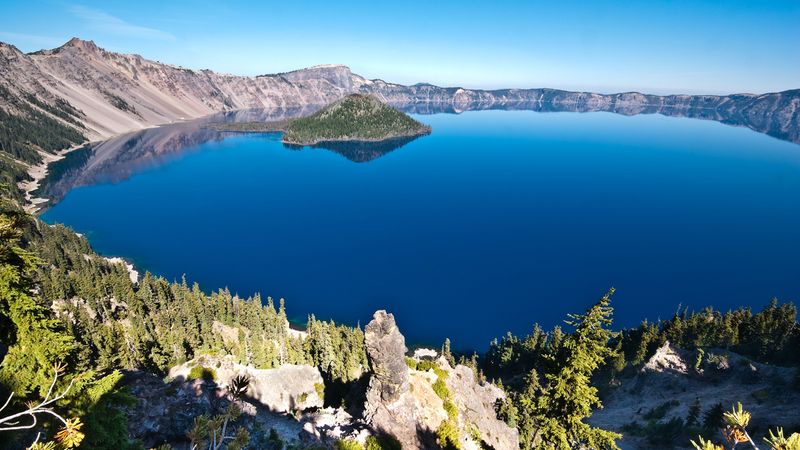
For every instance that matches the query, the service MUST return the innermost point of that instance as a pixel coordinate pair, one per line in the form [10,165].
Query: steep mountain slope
[119,92]
[125,92]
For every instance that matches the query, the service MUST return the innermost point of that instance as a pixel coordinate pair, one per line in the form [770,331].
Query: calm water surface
[497,220]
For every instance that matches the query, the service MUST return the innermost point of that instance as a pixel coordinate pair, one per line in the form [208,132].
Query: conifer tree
[568,396]
[35,340]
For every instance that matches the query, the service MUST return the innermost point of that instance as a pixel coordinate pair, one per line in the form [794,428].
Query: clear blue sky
[653,46]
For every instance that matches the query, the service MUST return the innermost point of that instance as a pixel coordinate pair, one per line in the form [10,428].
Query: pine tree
[568,396]
[693,418]
[447,354]
[35,340]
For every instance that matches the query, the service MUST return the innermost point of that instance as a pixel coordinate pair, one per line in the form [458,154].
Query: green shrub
[447,435]
[657,433]
[475,435]
[411,363]
[320,388]
[450,409]
[699,361]
[664,433]
[425,365]
[383,442]
[441,389]
[660,411]
[712,419]
[202,372]
[348,445]
[274,441]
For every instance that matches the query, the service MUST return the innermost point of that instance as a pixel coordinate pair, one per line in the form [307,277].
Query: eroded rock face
[386,349]
[390,408]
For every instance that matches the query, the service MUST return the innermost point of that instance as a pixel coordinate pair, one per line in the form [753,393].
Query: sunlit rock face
[119,93]
[386,349]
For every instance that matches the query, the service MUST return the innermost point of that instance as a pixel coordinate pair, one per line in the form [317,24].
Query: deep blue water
[495,221]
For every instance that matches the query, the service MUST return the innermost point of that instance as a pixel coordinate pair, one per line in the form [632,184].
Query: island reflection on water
[497,219]
[118,158]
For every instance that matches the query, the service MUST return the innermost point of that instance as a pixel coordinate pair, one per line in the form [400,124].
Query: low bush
[383,442]
[202,372]
[348,444]
[661,410]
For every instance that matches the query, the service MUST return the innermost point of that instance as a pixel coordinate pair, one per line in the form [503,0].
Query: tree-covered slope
[354,118]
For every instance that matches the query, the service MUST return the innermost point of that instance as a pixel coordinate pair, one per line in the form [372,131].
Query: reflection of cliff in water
[360,151]
[777,114]
[118,158]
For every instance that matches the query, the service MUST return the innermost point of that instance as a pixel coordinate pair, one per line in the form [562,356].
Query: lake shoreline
[358,141]
[280,126]
[38,172]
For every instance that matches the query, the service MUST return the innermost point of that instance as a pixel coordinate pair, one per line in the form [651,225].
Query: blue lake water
[496,220]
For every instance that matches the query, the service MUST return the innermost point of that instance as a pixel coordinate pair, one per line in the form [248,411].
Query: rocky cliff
[116,93]
[120,93]
[395,403]
[404,404]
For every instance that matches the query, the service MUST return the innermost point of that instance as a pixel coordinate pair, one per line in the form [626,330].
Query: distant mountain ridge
[117,93]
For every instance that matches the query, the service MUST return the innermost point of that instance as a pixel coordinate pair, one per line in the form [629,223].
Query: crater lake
[495,221]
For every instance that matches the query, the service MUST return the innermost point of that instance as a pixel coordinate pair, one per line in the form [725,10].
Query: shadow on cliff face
[348,395]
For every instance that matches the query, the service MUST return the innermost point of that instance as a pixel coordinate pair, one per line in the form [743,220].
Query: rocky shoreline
[357,140]
[37,173]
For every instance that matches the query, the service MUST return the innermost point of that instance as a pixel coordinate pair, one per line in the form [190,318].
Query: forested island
[356,117]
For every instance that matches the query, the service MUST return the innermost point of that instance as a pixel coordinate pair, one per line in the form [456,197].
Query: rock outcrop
[475,403]
[401,402]
[386,349]
[288,388]
[389,408]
